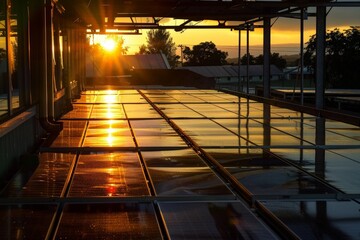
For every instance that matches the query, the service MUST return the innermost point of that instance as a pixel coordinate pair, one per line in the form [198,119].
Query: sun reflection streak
[110,98]
[109,113]
[110,116]
[110,131]
[111,186]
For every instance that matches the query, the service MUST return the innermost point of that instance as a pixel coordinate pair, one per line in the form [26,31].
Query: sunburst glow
[108,44]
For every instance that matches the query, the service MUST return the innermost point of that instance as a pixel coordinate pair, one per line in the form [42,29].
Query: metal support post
[9,49]
[302,56]
[49,42]
[266,67]
[320,56]
[247,58]
[239,63]
[320,151]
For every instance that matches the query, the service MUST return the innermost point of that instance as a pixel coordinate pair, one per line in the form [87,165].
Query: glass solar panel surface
[172,158]
[47,180]
[26,221]
[177,181]
[109,221]
[212,220]
[319,219]
[109,174]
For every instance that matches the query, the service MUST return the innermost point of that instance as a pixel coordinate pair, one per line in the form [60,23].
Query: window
[11,81]
[4,88]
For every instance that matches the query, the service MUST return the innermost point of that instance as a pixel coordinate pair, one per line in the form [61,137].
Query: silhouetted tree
[252,60]
[204,54]
[342,57]
[160,41]
[143,49]
[275,59]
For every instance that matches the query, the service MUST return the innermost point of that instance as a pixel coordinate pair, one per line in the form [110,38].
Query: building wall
[15,145]
[43,93]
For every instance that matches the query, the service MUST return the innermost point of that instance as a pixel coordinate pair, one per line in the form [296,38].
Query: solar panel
[182,164]
[212,220]
[109,221]
[26,221]
[108,174]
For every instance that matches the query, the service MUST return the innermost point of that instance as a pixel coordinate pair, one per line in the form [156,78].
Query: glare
[108,44]
[110,138]
[110,92]
[110,99]
[109,113]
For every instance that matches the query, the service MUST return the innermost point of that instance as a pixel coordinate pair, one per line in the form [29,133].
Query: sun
[108,44]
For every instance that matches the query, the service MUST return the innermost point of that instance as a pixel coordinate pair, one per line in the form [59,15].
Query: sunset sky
[285,32]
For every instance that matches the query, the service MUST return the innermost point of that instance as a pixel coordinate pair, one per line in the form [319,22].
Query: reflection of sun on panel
[109,133]
[111,92]
[109,113]
[110,130]
[110,98]
[116,181]
[111,190]
[111,186]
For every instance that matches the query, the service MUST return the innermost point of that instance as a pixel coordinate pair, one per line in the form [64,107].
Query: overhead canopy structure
[137,14]
[98,16]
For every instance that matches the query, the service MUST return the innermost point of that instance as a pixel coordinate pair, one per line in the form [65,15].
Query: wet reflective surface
[71,135]
[186,181]
[341,165]
[108,133]
[280,180]
[109,221]
[25,221]
[319,220]
[124,167]
[211,220]
[113,174]
[173,158]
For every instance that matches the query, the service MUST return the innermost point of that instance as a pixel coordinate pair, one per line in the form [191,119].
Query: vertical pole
[320,90]
[319,94]
[57,52]
[302,56]
[266,129]
[320,56]
[67,84]
[239,63]
[320,151]
[239,89]
[44,85]
[247,57]
[266,67]
[49,43]
[9,56]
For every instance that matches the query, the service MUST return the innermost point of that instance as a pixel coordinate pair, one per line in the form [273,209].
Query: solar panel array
[183,164]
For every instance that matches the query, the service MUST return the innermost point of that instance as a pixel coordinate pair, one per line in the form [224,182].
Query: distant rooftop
[231,71]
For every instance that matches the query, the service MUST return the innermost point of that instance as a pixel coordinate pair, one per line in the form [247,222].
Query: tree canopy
[160,41]
[204,54]
[342,57]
